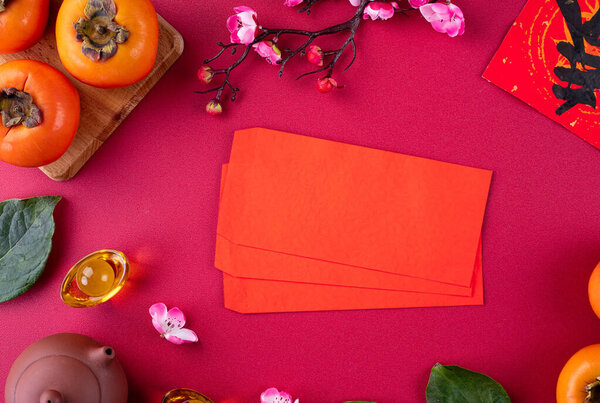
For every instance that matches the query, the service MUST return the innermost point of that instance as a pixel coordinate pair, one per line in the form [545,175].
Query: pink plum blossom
[315,55]
[170,323]
[444,17]
[268,50]
[417,3]
[272,395]
[380,10]
[292,3]
[243,25]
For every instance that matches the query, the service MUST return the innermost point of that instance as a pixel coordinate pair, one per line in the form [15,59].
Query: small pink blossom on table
[272,395]
[445,18]
[315,55]
[170,324]
[379,10]
[268,50]
[243,25]
[292,3]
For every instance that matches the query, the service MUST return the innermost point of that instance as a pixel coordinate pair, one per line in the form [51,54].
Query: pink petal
[440,8]
[158,312]
[246,35]
[157,325]
[427,11]
[355,3]
[242,9]
[269,395]
[247,19]
[439,26]
[457,11]
[176,317]
[232,23]
[453,27]
[182,336]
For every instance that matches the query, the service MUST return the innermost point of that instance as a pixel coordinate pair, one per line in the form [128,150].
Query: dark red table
[152,191]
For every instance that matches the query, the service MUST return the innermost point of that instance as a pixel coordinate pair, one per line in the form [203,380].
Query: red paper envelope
[354,206]
[247,262]
[552,65]
[262,296]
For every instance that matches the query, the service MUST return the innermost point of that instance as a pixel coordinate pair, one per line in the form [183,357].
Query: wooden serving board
[102,110]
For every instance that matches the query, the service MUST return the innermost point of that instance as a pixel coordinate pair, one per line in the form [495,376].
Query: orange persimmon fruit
[40,113]
[594,290]
[22,23]
[107,43]
[579,380]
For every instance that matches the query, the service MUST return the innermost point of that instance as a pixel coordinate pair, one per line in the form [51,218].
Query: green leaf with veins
[26,229]
[453,384]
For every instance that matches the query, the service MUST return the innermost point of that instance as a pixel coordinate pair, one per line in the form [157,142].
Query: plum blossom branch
[247,33]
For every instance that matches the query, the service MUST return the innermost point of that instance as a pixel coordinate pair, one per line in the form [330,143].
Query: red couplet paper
[552,65]
[248,262]
[354,206]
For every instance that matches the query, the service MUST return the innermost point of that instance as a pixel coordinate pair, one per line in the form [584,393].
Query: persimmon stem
[593,392]
[17,107]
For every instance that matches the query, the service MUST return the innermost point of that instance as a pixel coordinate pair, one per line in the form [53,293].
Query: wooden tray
[102,110]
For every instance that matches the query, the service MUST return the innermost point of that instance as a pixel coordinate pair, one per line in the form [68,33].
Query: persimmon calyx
[17,107]
[98,32]
[593,392]
[2,5]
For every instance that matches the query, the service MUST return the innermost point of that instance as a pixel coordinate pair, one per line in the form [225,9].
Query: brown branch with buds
[247,34]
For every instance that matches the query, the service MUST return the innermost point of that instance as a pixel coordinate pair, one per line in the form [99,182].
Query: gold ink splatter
[513,89]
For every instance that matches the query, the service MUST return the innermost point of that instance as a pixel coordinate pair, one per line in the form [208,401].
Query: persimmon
[40,113]
[579,380]
[594,290]
[22,23]
[107,43]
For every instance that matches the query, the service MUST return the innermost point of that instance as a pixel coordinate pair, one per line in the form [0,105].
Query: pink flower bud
[268,50]
[214,108]
[205,74]
[417,3]
[315,55]
[326,84]
[292,3]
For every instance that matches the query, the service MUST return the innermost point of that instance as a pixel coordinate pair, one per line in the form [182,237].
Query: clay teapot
[66,368]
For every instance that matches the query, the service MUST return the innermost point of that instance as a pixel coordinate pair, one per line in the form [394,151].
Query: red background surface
[152,190]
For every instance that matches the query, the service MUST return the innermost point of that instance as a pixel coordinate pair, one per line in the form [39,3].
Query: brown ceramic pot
[66,368]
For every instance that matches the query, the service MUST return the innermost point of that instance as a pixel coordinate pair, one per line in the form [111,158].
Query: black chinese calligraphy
[583,75]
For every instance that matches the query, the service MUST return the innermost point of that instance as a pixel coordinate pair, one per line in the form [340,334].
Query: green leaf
[26,229]
[453,384]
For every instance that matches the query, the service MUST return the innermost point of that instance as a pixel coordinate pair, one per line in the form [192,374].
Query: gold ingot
[185,396]
[95,279]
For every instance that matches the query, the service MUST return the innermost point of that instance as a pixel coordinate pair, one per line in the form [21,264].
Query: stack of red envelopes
[307,224]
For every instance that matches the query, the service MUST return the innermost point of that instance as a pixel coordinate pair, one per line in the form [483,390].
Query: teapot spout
[102,355]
